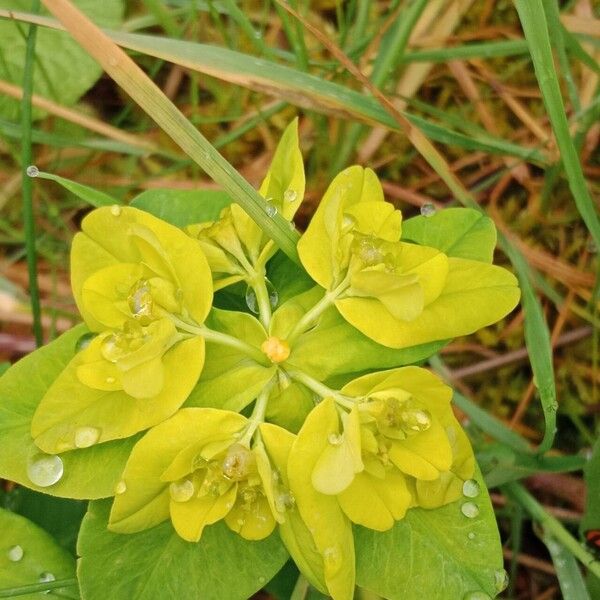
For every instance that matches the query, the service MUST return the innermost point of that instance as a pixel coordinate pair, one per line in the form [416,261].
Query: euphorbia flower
[196,468]
[235,245]
[398,446]
[137,281]
[397,293]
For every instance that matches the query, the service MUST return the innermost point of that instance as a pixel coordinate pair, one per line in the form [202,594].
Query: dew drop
[273,294]
[15,554]
[469,509]
[471,535]
[86,436]
[290,195]
[261,580]
[110,380]
[334,439]
[500,580]
[251,301]
[32,171]
[476,596]
[471,488]
[45,470]
[428,209]
[84,341]
[46,577]
[348,223]
[332,561]
[181,491]
[271,210]
[120,488]
[115,210]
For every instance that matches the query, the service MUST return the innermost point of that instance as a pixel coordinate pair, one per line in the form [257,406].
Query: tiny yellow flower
[193,469]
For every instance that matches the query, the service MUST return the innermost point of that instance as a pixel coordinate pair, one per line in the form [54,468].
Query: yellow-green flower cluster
[309,460]
[134,278]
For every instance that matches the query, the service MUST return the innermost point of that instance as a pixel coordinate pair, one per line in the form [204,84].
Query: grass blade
[26,158]
[532,14]
[569,576]
[298,88]
[87,194]
[152,100]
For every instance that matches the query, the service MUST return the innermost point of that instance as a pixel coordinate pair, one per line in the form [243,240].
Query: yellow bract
[399,446]
[398,294]
[194,469]
[235,245]
[134,278]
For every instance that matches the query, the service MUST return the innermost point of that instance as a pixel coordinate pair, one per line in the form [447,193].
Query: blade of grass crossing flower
[152,100]
[27,186]
[534,21]
[537,340]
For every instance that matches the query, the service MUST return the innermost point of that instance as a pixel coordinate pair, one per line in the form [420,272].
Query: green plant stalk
[23,590]
[27,185]
[301,589]
[152,100]
[320,388]
[386,59]
[532,14]
[551,525]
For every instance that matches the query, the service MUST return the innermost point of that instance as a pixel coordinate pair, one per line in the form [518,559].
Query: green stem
[263,300]
[311,317]
[224,339]
[23,590]
[518,493]
[321,389]
[300,591]
[26,160]
[258,414]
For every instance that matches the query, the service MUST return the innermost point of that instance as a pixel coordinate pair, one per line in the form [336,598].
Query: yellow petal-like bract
[398,294]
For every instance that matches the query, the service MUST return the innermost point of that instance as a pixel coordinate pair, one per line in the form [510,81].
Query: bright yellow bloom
[195,469]
[134,279]
[399,294]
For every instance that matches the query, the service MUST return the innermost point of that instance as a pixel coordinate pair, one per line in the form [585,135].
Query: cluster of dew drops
[16,553]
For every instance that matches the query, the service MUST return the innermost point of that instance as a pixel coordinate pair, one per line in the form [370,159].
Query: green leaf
[41,555]
[64,72]
[183,207]
[230,379]
[83,192]
[591,517]
[437,553]
[60,517]
[157,563]
[461,232]
[88,473]
[312,353]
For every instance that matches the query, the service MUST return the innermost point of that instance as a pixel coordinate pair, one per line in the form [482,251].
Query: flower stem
[224,339]
[321,389]
[311,317]
[259,284]
[518,493]
[32,588]
[258,413]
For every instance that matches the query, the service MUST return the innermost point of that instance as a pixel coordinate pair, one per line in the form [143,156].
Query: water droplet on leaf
[15,554]
[469,509]
[271,210]
[290,195]
[84,341]
[500,580]
[332,561]
[476,596]
[120,488]
[115,210]
[427,209]
[334,439]
[471,535]
[348,223]
[32,171]
[471,488]
[273,294]
[45,470]
[46,577]
[181,491]
[251,301]
[86,436]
